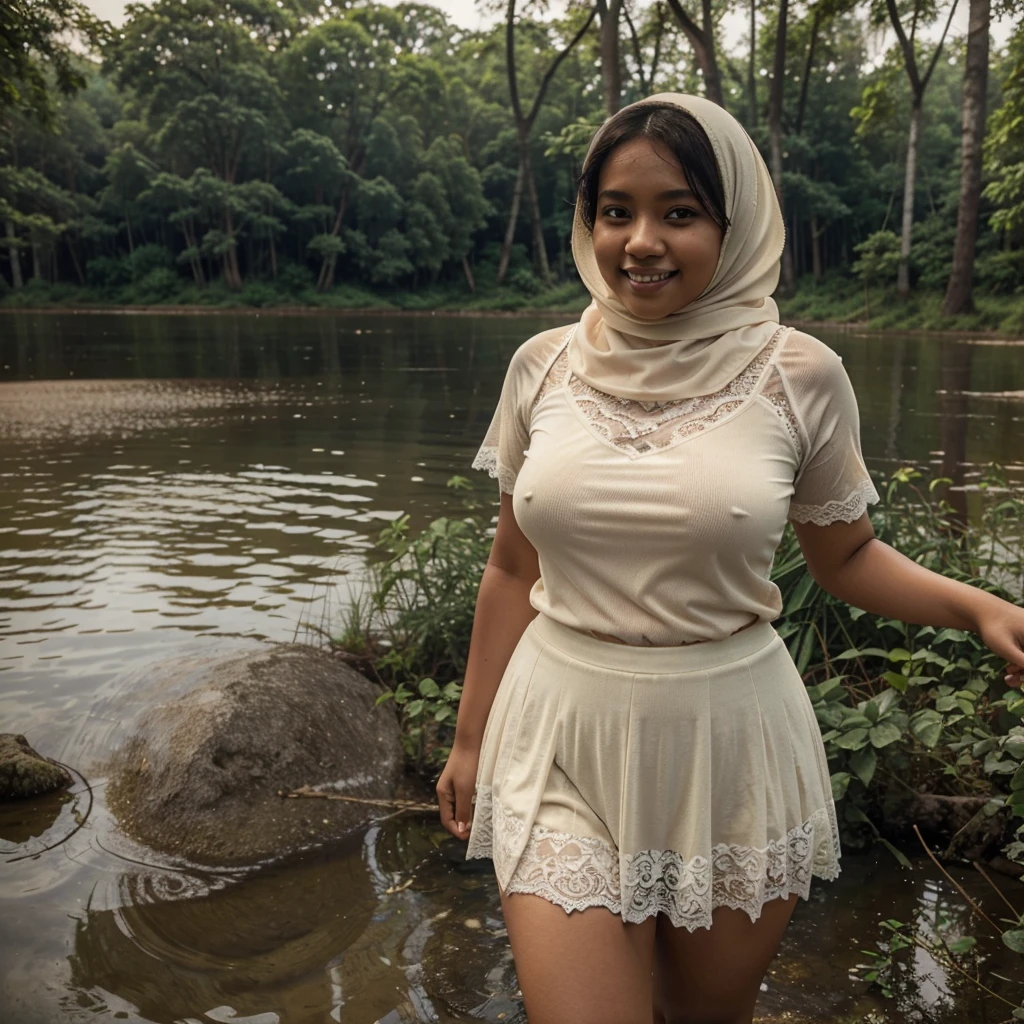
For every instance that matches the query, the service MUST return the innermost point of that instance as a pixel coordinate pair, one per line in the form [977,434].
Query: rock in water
[202,776]
[24,773]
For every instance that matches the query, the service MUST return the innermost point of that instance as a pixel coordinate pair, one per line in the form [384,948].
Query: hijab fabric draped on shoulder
[701,348]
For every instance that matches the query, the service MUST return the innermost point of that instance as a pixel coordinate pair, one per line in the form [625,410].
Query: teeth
[648,278]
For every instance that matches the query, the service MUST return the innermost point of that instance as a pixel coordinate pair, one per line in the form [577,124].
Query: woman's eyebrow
[672,193]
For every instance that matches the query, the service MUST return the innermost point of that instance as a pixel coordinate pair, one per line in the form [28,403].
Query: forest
[346,153]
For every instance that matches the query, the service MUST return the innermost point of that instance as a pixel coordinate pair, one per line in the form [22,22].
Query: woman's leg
[713,975]
[582,967]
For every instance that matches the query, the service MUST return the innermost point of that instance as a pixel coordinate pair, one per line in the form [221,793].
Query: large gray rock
[201,777]
[24,772]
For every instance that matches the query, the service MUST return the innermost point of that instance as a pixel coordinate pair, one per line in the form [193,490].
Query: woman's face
[656,246]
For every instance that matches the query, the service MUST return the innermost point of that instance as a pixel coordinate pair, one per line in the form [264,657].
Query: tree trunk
[510,230]
[232,275]
[128,224]
[958,292]
[77,265]
[703,42]
[37,270]
[540,252]
[467,270]
[815,248]
[808,67]
[610,12]
[13,254]
[273,259]
[903,272]
[327,268]
[775,136]
[751,78]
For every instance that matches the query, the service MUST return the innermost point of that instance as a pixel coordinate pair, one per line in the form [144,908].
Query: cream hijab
[701,348]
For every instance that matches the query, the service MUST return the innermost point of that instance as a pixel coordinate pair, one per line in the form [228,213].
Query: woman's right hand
[455,790]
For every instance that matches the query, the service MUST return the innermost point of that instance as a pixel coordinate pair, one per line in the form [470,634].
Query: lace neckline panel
[637,428]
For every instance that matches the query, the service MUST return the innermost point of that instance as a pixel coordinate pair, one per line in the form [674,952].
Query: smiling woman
[640,758]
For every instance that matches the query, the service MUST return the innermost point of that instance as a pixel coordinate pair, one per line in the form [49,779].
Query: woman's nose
[645,238]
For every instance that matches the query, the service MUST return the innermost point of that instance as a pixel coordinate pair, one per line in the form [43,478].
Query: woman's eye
[615,212]
[683,213]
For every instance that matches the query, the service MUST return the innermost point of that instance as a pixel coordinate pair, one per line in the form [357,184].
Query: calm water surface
[172,483]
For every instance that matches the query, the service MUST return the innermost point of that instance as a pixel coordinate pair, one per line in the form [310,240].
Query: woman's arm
[503,611]
[850,562]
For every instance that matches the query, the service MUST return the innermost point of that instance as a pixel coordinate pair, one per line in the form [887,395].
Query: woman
[647,771]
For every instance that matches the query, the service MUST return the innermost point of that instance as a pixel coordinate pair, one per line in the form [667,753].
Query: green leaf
[926,725]
[853,740]
[863,762]
[840,783]
[945,704]
[428,688]
[962,945]
[1017,782]
[885,733]
[1014,940]
[897,680]
[385,696]
[898,654]
[867,652]
[414,708]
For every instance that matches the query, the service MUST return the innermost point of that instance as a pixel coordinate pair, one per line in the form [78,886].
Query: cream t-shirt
[658,524]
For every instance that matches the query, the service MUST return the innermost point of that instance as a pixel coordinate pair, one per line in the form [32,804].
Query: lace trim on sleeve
[848,510]
[487,460]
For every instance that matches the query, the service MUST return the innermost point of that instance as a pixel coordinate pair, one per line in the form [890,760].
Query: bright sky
[462,12]
[466,14]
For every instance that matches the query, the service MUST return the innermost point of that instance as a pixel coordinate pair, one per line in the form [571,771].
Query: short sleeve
[832,483]
[503,450]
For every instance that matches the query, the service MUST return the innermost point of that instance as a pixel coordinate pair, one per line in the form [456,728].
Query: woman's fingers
[1014,675]
[463,810]
[446,803]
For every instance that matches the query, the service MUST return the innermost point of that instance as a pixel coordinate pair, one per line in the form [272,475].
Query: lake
[174,481]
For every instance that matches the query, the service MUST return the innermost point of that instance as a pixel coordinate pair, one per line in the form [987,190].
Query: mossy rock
[26,773]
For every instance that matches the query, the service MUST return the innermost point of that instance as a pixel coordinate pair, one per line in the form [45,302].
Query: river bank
[837,305]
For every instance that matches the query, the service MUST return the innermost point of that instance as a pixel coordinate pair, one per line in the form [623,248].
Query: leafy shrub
[159,285]
[258,293]
[147,258]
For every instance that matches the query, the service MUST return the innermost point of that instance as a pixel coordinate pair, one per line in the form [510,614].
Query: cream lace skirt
[654,779]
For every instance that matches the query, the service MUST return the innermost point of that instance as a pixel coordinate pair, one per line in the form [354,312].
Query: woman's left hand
[1003,634]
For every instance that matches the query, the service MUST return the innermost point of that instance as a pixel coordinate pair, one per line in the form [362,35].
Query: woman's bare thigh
[582,967]
[713,975]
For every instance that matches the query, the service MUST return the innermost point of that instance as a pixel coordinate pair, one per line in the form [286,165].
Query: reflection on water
[178,485]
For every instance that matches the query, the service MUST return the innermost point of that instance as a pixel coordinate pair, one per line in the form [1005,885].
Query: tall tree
[524,126]
[610,13]
[702,39]
[776,97]
[958,298]
[918,85]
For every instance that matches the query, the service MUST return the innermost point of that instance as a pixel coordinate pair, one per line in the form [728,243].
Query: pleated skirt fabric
[654,779]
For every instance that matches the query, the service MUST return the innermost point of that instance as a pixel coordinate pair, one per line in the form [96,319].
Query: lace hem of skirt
[576,872]
[847,511]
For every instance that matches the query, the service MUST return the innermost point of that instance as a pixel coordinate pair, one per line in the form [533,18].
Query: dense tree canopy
[282,147]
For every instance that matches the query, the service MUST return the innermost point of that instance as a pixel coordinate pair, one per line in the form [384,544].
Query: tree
[702,39]
[610,13]
[918,85]
[775,101]
[958,298]
[524,126]
[37,47]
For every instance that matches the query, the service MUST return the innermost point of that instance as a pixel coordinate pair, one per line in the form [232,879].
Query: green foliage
[374,148]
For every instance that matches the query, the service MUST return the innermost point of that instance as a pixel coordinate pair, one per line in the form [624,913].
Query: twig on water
[316,794]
